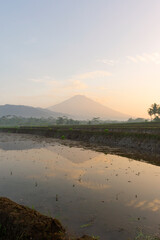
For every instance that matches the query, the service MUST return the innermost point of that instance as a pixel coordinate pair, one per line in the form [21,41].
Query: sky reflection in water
[90,192]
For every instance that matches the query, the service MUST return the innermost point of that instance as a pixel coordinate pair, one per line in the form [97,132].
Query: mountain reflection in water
[90,192]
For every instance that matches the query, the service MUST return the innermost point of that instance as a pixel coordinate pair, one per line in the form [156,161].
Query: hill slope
[27,111]
[82,107]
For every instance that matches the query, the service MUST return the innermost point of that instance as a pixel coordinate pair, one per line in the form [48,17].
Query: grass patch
[142,236]
[86,225]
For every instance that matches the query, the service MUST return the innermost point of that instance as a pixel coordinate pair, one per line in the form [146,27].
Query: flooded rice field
[105,196]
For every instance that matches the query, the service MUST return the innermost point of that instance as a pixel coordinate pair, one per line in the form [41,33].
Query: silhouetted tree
[154,110]
[95,120]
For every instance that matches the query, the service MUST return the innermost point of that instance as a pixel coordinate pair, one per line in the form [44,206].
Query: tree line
[13,121]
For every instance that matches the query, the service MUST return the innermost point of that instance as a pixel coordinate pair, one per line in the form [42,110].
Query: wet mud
[23,223]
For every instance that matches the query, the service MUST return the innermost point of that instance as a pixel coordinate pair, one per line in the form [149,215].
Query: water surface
[91,193]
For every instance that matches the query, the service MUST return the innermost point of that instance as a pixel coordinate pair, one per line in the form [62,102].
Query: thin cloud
[146,58]
[76,84]
[37,80]
[107,61]
[75,81]
[92,75]
[133,59]
[45,79]
[67,84]
[153,205]
[62,89]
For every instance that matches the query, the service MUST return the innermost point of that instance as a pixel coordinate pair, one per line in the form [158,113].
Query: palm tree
[154,110]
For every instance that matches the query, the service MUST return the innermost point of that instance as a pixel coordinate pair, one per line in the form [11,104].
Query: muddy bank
[22,223]
[141,143]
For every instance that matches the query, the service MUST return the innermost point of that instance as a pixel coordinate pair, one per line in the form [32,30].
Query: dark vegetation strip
[109,125]
[147,131]
[140,137]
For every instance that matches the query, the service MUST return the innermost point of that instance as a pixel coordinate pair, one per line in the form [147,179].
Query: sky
[108,50]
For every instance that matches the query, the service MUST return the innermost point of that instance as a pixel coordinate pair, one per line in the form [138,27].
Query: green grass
[142,236]
[86,225]
[106,130]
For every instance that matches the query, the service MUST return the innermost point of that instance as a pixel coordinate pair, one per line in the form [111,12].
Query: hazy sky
[108,50]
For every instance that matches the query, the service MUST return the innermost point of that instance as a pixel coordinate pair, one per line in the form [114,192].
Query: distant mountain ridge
[27,111]
[83,108]
[78,107]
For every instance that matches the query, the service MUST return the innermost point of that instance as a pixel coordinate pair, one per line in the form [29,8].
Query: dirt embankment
[128,140]
[18,222]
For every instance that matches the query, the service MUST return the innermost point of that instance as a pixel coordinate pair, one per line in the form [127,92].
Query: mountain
[82,107]
[27,111]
